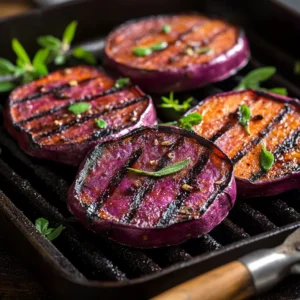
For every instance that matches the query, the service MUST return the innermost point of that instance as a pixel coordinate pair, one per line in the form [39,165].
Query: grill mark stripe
[287,144]
[86,99]
[262,134]
[114,182]
[228,125]
[88,117]
[56,89]
[148,185]
[174,206]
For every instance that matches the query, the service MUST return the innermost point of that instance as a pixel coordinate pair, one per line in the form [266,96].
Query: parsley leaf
[6,86]
[245,116]
[69,33]
[101,123]
[85,55]
[79,107]
[174,103]
[190,120]
[42,224]
[171,169]
[141,51]
[266,158]
[167,28]
[254,78]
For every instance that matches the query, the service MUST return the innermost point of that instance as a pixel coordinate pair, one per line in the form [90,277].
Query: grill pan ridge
[80,263]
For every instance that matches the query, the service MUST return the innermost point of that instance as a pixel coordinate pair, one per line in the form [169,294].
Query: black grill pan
[81,265]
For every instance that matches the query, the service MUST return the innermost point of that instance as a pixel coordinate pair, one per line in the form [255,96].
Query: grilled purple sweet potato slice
[186,51]
[38,114]
[144,211]
[275,121]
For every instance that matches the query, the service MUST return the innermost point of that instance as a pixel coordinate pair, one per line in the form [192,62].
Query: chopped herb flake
[122,82]
[101,123]
[245,116]
[266,158]
[167,28]
[79,108]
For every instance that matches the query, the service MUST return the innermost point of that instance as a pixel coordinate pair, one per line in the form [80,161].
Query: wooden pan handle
[230,282]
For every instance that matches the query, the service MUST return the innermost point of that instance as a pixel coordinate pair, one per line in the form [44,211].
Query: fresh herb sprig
[266,158]
[170,102]
[51,234]
[25,69]
[254,79]
[60,49]
[170,169]
[245,116]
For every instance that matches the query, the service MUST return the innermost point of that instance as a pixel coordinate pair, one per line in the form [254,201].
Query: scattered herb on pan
[245,116]
[170,169]
[60,49]
[297,67]
[170,102]
[254,78]
[145,51]
[101,123]
[122,82]
[266,158]
[25,69]
[167,28]
[51,234]
[79,107]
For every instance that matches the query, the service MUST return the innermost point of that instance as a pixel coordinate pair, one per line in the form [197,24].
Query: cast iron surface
[80,264]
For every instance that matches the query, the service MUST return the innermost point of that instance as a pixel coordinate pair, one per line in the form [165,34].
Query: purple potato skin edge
[247,189]
[191,77]
[144,237]
[72,154]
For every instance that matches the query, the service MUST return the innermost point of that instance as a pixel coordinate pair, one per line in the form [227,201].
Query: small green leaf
[245,116]
[280,91]
[48,231]
[171,169]
[141,51]
[122,82]
[55,233]
[20,52]
[84,55]
[159,46]
[6,86]
[41,225]
[253,79]
[60,59]
[297,67]
[49,42]
[39,61]
[174,103]
[266,158]
[167,28]
[190,120]
[6,67]
[203,50]
[101,123]
[79,107]
[69,32]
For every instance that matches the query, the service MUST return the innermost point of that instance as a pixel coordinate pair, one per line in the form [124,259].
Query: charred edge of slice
[174,206]
[246,149]
[88,117]
[113,183]
[54,110]
[52,91]
[147,187]
[287,144]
